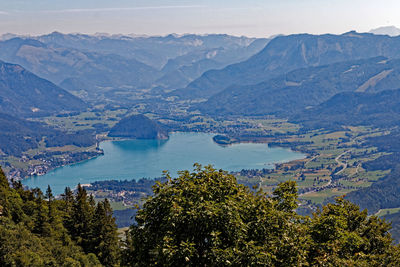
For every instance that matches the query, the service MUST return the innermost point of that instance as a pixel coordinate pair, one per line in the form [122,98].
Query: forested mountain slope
[24,94]
[19,135]
[290,93]
[353,108]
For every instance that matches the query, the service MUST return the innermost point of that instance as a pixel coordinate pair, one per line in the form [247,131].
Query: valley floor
[333,167]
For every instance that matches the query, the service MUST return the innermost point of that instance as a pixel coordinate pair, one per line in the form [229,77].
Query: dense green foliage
[203,218]
[38,230]
[133,192]
[138,127]
[206,218]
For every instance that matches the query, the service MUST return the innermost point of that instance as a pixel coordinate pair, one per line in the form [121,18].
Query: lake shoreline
[269,161]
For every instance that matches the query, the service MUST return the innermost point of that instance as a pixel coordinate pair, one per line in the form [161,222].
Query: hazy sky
[238,17]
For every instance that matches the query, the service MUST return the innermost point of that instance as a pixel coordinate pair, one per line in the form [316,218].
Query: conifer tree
[32,231]
[50,198]
[82,217]
[41,219]
[3,194]
[3,180]
[68,198]
[105,234]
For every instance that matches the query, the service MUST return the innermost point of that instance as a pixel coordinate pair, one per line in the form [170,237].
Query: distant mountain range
[95,66]
[24,94]
[287,53]
[68,67]
[289,75]
[387,30]
[154,51]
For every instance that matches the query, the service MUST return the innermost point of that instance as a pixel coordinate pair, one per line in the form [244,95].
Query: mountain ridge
[287,53]
[290,93]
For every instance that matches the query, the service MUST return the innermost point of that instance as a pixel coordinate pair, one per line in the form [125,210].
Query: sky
[253,18]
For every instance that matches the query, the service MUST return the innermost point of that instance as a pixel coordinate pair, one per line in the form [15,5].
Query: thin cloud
[85,10]
[3,13]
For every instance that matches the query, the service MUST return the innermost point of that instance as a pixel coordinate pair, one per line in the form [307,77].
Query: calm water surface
[135,159]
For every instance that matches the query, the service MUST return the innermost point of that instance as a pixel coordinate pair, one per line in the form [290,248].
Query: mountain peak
[386,30]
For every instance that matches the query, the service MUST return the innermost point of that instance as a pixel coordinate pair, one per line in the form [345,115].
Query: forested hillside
[38,230]
[201,218]
[19,135]
[384,193]
[297,90]
[353,108]
[138,127]
[24,94]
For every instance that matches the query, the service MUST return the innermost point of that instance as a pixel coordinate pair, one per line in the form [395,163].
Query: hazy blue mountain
[180,71]
[387,30]
[93,70]
[24,94]
[303,88]
[183,75]
[154,50]
[286,53]
[98,67]
[138,127]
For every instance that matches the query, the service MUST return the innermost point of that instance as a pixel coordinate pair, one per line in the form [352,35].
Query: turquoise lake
[135,159]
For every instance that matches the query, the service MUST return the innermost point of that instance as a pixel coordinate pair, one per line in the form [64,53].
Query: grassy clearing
[384,212]
[115,205]
[319,197]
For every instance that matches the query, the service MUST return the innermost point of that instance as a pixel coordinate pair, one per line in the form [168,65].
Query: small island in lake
[224,140]
[138,127]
